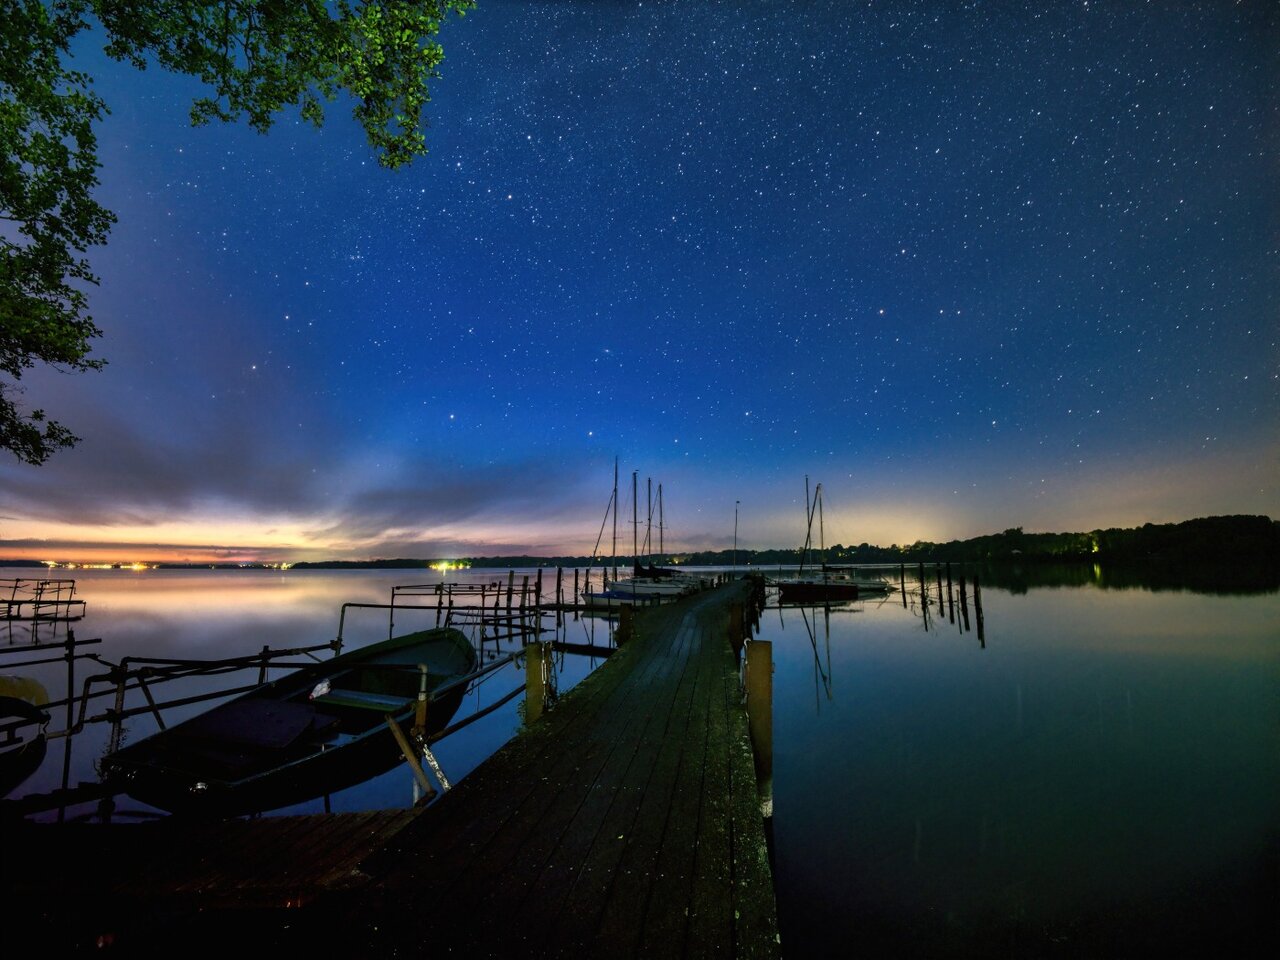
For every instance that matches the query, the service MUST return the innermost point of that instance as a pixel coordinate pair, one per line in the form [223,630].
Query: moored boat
[317,730]
[639,585]
[816,591]
[613,599]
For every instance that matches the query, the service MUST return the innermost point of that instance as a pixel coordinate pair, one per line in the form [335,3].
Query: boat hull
[276,746]
[816,592]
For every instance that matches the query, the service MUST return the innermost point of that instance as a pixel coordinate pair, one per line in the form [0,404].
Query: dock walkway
[624,822]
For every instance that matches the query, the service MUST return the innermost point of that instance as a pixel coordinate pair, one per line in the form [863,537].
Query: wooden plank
[619,928]
[710,932]
[604,818]
[583,903]
[667,912]
[520,851]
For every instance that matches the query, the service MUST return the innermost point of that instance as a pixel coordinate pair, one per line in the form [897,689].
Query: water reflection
[168,616]
[1213,578]
[1099,779]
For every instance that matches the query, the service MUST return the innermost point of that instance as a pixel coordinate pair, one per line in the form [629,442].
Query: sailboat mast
[822,536]
[635,527]
[615,518]
[648,523]
[662,547]
[808,525]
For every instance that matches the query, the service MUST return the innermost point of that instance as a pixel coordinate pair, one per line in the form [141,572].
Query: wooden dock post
[760,710]
[511,585]
[626,624]
[559,586]
[977,609]
[951,597]
[964,602]
[537,666]
[737,627]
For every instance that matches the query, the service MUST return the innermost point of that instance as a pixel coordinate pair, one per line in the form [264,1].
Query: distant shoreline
[1244,539]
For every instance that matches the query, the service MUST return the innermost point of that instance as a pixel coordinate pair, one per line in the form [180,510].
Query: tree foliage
[256,56]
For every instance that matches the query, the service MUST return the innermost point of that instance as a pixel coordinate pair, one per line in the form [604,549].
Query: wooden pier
[624,822]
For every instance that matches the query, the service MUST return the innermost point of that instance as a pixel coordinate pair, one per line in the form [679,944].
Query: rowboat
[320,729]
[23,720]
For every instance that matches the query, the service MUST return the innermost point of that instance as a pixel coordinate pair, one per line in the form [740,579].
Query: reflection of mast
[820,674]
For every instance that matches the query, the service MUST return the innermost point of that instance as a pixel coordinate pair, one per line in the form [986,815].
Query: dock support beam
[759,684]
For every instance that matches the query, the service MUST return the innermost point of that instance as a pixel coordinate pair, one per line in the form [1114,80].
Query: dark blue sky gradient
[969,267]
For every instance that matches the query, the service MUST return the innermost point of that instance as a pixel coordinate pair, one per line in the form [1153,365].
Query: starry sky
[970,266]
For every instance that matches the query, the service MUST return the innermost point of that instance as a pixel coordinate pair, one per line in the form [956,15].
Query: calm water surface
[1099,778]
[213,614]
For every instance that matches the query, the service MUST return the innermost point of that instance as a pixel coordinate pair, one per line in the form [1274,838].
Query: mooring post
[559,586]
[759,682]
[977,609]
[737,630]
[511,585]
[951,597]
[626,625]
[262,668]
[964,602]
[537,663]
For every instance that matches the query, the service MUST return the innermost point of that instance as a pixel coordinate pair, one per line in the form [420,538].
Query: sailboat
[828,585]
[618,593]
[648,580]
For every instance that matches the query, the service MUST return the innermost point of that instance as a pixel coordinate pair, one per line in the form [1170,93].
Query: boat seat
[256,724]
[381,702]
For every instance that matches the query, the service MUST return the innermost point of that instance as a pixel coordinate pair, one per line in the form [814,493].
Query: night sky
[970,268]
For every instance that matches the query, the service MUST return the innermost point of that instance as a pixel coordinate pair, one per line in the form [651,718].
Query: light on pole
[735,537]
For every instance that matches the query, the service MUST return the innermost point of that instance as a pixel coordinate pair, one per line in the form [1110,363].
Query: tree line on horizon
[1236,538]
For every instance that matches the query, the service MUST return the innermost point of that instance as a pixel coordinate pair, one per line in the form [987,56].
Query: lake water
[1098,776]
[215,614]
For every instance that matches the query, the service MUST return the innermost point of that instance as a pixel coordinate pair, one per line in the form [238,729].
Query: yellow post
[760,706]
[537,663]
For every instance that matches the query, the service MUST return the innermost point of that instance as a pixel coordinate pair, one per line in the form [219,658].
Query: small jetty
[625,820]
